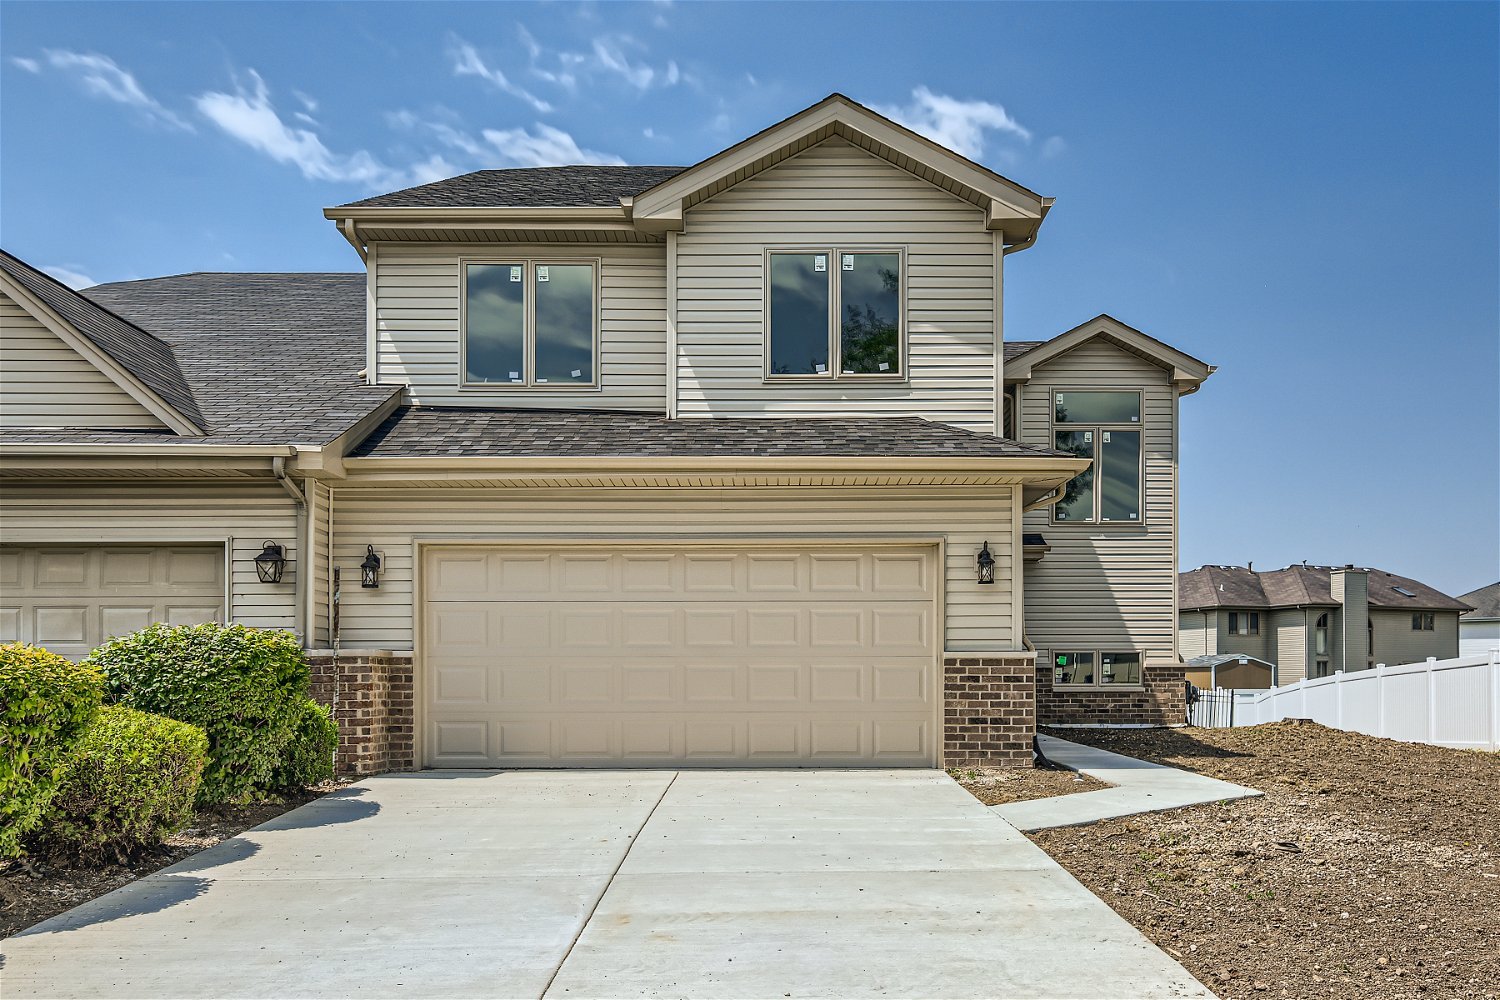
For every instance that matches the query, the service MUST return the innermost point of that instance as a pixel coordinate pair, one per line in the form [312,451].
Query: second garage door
[640,656]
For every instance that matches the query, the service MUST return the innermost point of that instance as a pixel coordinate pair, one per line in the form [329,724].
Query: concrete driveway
[607,884]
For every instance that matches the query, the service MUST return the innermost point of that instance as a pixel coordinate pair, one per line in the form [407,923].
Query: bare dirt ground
[55,885]
[1370,868]
[995,786]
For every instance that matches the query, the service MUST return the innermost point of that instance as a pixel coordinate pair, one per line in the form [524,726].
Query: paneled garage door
[70,598]
[685,656]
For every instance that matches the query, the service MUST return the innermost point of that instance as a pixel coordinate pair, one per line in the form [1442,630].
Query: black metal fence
[1213,709]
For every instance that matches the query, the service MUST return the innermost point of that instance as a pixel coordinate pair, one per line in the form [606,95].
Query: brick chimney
[1351,588]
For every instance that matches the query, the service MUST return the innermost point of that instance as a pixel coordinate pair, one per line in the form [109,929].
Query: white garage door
[683,656]
[70,598]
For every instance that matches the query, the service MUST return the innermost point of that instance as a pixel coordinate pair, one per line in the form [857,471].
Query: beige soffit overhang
[94,460]
[364,225]
[1010,208]
[1188,373]
[117,373]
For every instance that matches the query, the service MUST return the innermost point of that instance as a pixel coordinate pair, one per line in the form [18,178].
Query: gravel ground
[55,885]
[1370,868]
[995,786]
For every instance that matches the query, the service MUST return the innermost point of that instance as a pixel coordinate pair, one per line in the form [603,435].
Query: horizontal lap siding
[45,383]
[417,318]
[835,194]
[1103,586]
[1291,645]
[1396,642]
[80,514]
[978,618]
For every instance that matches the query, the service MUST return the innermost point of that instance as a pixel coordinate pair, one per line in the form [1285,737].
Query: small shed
[1231,670]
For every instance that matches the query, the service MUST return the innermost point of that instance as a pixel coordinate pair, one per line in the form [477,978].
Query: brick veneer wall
[370,692]
[1161,700]
[989,709]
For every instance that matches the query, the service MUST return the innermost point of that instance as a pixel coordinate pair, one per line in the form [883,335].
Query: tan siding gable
[46,383]
[835,194]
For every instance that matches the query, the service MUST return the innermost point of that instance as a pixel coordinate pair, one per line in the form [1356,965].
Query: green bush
[46,701]
[130,780]
[309,757]
[244,687]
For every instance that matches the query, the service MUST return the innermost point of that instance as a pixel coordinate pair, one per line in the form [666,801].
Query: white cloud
[29,65]
[1054,146]
[467,62]
[611,57]
[546,147]
[962,126]
[70,276]
[103,77]
[562,76]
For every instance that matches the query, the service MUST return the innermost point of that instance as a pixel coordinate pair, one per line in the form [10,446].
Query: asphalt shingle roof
[582,186]
[1239,587]
[269,358]
[145,356]
[1016,348]
[1485,601]
[418,431]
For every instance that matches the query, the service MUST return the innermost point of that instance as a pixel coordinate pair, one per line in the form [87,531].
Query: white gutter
[126,449]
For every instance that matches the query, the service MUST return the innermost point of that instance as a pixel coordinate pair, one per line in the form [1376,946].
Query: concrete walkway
[608,884]
[1140,787]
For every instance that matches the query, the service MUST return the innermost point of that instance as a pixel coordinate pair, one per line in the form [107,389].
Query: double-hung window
[834,313]
[530,323]
[1103,426]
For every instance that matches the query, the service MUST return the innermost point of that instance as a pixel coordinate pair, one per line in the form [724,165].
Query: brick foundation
[989,709]
[1160,701]
[371,694]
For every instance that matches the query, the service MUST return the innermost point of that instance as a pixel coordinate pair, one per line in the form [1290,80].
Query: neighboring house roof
[1294,586]
[269,358]
[527,187]
[146,357]
[1187,372]
[1485,601]
[1016,348]
[419,431]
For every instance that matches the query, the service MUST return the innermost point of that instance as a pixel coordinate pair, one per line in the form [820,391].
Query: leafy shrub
[46,701]
[309,757]
[244,687]
[130,780]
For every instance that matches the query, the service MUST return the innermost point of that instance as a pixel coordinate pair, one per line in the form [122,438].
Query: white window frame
[835,309]
[1097,684]
[528,383]
[1095,518]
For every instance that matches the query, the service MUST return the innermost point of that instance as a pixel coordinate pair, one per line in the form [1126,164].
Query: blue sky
[1304,195]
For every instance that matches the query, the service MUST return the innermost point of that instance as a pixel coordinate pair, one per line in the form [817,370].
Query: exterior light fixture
[369,570]
[986,565]
[271,562]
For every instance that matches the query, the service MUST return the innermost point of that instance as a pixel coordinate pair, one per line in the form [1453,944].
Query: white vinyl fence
[1450,703]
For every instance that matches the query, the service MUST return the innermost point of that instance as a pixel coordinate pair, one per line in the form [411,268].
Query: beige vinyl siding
[249,513]
[1107,586]
[1260,646]
[1292,638]
[1396,643]
[977,617]
[46,383]
[417,292]
[1195,634]
[836,195]
[318,525]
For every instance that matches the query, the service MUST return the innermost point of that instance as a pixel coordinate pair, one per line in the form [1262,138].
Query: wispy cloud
[545,147]
[248,116]
[610,57]
[467,62]
[70,276]
[962,126]
[102,77]
[29,65]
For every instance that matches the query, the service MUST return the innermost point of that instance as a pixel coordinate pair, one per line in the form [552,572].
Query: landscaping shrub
[308,758]
[130,780]
[244,687]
[46,701]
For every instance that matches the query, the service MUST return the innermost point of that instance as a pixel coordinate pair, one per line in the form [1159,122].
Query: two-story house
[720,465]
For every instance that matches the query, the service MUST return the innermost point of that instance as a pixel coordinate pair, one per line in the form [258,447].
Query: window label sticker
[1106,437]
[820,262]
[1088,437]
[541,274]
[515,376]
[820,369]
[848,262]
[515,273]
[885,366]
[577,373]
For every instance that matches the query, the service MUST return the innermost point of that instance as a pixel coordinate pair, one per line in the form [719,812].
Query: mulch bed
[55,885]
[1369,869]
[995,786]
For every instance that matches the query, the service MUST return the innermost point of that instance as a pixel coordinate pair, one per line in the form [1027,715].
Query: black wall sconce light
[271,563]
[369,570]
[986,565]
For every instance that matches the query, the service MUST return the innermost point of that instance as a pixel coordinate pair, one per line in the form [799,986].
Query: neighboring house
[1312,621]
[1479,628]
[623,466]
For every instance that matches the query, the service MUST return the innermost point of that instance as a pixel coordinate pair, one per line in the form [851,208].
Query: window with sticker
[530,324]
[1103,426]
[834,313]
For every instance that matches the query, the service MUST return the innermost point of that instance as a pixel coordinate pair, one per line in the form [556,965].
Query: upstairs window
[834,313]
[1244,623]
[1103,427]
[1423,621]
[530,323]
